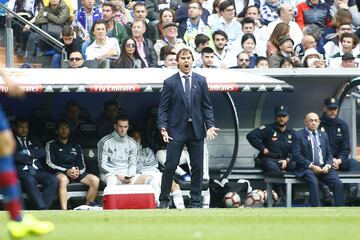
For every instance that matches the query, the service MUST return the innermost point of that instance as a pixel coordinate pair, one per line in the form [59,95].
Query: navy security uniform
[338,132]
[185,118]
[31,172]
[278,143]
[302,150]
[60,157]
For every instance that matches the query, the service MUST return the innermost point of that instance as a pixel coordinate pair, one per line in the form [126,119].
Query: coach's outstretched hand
[211,133]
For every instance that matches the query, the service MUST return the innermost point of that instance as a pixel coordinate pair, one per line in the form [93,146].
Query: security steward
[339,139]
[338,132]
[274,143]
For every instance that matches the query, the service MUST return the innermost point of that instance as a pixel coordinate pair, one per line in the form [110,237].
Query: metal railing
[10,36]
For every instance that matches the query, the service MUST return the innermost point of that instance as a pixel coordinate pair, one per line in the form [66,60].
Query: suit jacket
[302,150]
[35,149]
[173,107]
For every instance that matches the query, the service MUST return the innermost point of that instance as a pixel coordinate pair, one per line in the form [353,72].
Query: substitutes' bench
[289,179]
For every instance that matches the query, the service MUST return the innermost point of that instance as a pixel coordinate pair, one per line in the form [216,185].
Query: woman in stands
[167,15]
[129,57]
[281,29]
[248,43]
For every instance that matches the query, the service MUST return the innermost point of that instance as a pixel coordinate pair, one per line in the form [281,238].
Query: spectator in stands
[145,47]
[141,13]
[117,156]
[215,16]
[147,164]
[286,15]
[348,61]
[85,17]
[224,57]
[201,41]
[262,62]
[333,45]
[228,22]
[129,57]
[165,50]
[285,49]
[348,44]
[76,60]
[170,31]
[313,164]
[287,62]
[106,123]
[207,57]
[281,29]
[28,156]
[114,28]
[72,116]
[193,25]
[64,157]
[167,15]
[248,43]
[345,4]
[170,60]
[243,60]
[103,47]
[28,10]
[71,43]
[274,142]
[260,30]
[182,12]
[307,42]
[51,19]
[121,14]
[268,11]
[313,59]
[248,25]
[313,12]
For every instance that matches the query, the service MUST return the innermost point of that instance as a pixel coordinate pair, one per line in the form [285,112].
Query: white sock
[178,199]
[155,185]
[206,199]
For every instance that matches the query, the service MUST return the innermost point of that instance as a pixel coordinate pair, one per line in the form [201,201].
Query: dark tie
[188,95]
[187,89]
[316,150]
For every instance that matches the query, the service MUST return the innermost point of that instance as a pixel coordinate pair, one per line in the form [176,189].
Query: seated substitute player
[147,164]
[19,226]
[117,156]
[66,160]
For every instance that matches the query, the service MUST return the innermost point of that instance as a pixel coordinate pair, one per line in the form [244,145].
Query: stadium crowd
[220,33]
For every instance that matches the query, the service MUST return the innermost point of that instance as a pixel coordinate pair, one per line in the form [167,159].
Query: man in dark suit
[29,151]
[312,153]
[184,112]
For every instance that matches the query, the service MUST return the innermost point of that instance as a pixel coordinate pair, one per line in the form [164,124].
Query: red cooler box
[128,197]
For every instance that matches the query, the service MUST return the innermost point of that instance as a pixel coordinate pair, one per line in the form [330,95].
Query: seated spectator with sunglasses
[243,60]
[76,60]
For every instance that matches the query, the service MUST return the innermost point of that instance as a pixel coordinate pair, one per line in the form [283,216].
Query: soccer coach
[184,112]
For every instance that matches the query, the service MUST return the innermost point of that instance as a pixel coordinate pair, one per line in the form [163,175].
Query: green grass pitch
[246,223]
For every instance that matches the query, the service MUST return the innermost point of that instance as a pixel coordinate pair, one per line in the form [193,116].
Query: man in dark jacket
[64,157]
[30,170]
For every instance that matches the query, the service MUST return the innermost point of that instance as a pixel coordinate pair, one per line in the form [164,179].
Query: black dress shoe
[164,205]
